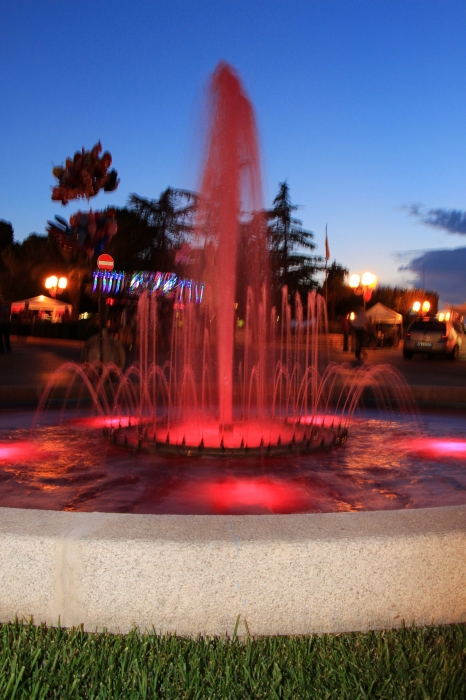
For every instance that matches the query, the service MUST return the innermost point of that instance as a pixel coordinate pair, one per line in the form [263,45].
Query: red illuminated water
[387,464]
[230,191]
[210,384]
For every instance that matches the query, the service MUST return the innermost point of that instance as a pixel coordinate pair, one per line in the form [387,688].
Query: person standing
[5,312]
[360,326]
[26,314]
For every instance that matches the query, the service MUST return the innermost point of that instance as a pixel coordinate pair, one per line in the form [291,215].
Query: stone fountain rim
[194,574]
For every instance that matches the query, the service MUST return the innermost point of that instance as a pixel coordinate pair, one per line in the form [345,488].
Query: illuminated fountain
[312,564]
[269,392]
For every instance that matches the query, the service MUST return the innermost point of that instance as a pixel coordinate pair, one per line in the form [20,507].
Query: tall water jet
[274,393]
[230,212]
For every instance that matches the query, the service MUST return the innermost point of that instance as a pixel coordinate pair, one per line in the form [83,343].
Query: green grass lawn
[41,662]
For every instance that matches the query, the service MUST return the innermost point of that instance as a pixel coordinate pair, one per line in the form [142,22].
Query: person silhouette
[360,326]
[5,313]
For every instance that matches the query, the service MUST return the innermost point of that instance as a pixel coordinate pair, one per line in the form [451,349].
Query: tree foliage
[132,245]
[340,298]
[289,246]
[6,234]
[151,231]
[401,299]
[164,224]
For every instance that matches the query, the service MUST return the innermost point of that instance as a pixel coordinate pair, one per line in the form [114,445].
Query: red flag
[327,249]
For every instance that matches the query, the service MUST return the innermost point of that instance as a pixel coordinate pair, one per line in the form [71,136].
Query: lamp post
[55,285]
[363,285]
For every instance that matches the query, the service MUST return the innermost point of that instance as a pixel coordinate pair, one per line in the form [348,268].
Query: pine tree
[168,220]
[289,246]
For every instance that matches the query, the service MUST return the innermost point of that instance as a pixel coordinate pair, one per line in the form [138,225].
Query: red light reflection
[254,495]
[19,451]
[102,422]
[438,447]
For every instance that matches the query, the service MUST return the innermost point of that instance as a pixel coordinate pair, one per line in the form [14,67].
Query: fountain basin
[191,575]
[288,573]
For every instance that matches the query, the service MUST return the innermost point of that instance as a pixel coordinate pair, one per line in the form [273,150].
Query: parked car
[432,337]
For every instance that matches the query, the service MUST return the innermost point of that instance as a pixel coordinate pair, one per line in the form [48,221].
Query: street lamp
[363,285]
[424,308]
[55,285]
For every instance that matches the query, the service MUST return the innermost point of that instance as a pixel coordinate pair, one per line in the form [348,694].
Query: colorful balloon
[84,175]
[89,231]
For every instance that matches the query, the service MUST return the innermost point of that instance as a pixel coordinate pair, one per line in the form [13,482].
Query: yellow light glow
[53,281]
[354,281]
[62,282]
[369,280]
[441,317]
[447,316]
[351,316]
[425,306]
[416,306]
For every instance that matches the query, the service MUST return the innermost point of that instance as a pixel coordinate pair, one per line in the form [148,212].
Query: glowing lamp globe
[416,306]
[51,282]
[62,282]
[425,306]
[354,281]
[369,280]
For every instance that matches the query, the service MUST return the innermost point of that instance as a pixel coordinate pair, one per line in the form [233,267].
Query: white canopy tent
[381,317]
[55,307]
[379,313]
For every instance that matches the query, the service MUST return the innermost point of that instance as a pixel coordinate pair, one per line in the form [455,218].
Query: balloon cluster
[89,231]
[84,175]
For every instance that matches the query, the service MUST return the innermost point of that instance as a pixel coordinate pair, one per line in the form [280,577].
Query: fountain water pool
[387,464]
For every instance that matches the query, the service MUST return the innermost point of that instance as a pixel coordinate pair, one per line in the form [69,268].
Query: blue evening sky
[361,106]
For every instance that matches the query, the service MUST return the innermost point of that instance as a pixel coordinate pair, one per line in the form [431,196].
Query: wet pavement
[32,361]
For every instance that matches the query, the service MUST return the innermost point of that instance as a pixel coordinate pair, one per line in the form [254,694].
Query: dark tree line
[151,232]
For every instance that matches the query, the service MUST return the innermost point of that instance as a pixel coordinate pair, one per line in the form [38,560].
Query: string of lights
[112,282]
[108,282]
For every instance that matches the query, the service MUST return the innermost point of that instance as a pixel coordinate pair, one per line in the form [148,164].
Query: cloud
[449,220]
[442,271]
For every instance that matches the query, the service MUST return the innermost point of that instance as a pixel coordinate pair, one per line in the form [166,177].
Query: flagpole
[326,271]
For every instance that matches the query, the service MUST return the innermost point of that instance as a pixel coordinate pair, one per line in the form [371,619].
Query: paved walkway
[420,371]
[25,372]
